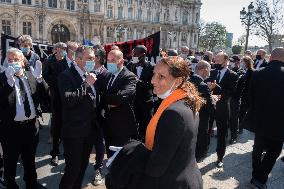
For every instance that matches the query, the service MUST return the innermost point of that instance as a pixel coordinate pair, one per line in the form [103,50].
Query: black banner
[7,42]
[152,43]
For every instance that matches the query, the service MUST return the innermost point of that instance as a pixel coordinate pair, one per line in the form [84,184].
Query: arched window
[109,11]
[60,33]
[120,12]
[6,27]
[27,28]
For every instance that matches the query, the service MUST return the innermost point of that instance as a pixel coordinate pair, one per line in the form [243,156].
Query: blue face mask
[25,50]
[63,53]
[16,65]
[112,67]
[89,66]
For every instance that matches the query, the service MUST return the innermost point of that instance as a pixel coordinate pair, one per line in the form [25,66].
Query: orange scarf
[176,95]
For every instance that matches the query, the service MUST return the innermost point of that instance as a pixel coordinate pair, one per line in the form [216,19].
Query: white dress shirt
[139,71]
[69,61]
[115,76]
[82,74]
[223,71]
[258,63]
[20,111]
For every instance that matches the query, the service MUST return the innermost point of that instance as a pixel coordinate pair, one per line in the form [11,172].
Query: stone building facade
[50,21]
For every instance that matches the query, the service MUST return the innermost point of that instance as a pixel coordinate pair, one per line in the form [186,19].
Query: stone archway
[60,33]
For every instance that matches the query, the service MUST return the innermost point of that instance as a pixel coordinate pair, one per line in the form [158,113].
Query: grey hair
[60,45]
[80,50]
[202,65]
[25,39]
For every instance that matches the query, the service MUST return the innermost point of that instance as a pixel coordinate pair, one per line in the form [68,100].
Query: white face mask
[135,59]
[167,93]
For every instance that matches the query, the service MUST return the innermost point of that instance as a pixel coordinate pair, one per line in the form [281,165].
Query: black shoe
[233,141]
[3,184]
[35,185]
[257,185]
[219,164]
[54,161]
[282,159]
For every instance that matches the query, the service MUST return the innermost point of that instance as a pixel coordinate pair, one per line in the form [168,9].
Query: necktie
[89,89]
[25,99]
[257,62]
[218,76]
[110,82]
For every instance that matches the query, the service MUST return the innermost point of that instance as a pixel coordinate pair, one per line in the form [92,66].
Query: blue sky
[227,12]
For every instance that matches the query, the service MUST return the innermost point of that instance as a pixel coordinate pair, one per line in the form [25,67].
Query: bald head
[277,54]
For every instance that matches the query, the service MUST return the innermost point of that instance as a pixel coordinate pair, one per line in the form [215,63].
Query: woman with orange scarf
[172,132]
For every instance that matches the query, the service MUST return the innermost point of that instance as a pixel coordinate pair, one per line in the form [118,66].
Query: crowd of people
[162,114]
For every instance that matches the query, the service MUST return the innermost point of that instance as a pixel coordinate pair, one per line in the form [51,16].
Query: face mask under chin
[167,93]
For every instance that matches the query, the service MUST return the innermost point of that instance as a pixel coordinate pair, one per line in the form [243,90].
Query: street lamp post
[246,19]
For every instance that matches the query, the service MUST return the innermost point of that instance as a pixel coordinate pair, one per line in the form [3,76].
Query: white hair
[14,51]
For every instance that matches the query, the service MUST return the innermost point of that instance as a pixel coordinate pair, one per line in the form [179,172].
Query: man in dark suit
[54,65]
[235,102]
[101,73]
[2,182]
[202,72]
[144,99]
[21,92]
[78,97]
[118,95]
[260,61]
[267,116]
[223,82]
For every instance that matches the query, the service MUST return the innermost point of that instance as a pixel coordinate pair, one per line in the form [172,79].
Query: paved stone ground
[236,172]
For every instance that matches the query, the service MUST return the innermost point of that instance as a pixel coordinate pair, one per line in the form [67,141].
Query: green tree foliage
[268,20]
[237,49]
[212,35]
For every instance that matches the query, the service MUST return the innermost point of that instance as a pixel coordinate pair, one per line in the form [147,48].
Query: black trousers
[20,140]
[100,149]
[56,123]
[234,117]
[202,137]
[1,154]
[222,122]
[261,167]
[76,153]
[143,114]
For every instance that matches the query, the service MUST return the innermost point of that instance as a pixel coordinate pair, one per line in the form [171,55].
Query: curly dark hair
[178,67]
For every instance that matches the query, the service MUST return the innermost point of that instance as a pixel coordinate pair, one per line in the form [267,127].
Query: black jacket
[171,163]
[226,89]
[204,91]
[78,108]
[266,101]
[263,65]
[120,120]
[127,169]
[8,96]
[144,88]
